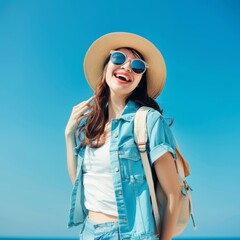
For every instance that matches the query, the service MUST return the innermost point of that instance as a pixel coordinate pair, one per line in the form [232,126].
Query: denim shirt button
[115,120]
[116,169]
[119,192]
[132,178]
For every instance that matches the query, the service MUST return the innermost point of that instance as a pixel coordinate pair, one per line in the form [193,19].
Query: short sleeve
[160,136]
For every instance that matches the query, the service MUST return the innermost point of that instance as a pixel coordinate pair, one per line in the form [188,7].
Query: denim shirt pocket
[131,164]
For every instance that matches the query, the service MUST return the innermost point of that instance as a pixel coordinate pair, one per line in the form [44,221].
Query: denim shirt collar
[127,114]
[129,111]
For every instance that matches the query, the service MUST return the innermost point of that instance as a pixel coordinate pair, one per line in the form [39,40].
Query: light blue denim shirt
[131,190]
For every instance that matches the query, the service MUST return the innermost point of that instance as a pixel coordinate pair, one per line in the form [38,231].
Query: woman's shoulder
[156,119]
[154,115]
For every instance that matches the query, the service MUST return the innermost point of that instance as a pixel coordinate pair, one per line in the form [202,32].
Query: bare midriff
[99,217]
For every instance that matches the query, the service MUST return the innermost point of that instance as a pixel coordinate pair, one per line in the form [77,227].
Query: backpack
[158,198]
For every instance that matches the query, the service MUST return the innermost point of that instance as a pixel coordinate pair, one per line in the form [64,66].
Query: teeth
[122,77]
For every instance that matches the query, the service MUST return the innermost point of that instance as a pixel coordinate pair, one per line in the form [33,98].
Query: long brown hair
[93,128]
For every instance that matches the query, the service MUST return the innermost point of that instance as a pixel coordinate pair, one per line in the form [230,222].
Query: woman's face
[120,78]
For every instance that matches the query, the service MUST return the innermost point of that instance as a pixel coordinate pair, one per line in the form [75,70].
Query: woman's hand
[78,113]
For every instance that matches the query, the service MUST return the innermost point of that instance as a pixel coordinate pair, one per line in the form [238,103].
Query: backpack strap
[140,136]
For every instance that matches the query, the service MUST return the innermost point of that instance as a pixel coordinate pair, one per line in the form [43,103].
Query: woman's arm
[71,158]
[167,175]
[78,113]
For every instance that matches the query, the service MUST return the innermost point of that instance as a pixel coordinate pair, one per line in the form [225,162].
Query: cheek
[108,74]
[111,67]
[109,71]
[137,79]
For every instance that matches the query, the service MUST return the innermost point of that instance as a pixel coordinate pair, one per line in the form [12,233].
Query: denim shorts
[103,231]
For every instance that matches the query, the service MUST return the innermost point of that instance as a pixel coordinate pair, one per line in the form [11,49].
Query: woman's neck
[115,107]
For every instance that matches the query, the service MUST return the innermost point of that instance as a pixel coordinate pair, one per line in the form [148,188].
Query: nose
[127,66]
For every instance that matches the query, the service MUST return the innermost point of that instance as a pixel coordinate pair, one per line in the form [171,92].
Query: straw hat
[100,50]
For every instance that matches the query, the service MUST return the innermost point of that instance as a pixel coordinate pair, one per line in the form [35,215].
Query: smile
[122,77]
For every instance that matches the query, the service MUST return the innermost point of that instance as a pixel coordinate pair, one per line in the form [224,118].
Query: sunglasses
[137,65]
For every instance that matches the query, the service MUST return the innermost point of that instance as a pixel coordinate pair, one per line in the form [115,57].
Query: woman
[110,197]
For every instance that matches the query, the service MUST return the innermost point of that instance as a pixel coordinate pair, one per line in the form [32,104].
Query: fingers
[85,114]
[79,112]
[90,99]
[80,117]
[82,110]
[85,102]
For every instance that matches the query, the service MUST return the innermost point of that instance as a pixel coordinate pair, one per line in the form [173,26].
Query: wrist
[69,134]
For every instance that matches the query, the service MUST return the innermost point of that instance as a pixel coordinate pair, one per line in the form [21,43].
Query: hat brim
[100,50]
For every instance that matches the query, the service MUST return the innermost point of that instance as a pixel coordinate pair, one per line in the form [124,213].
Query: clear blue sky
[42,46]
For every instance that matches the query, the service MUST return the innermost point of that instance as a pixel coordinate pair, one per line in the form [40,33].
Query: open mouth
[122,77]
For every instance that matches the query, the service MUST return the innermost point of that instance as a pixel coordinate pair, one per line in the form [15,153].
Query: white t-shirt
[97,180]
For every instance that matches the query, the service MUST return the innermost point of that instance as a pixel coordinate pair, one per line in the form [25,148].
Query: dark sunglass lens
[138,66]
[118,58]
